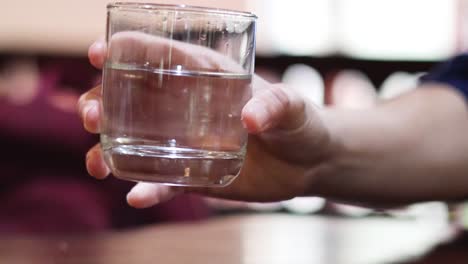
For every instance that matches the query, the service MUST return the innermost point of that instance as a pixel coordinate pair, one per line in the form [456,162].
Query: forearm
[410,149]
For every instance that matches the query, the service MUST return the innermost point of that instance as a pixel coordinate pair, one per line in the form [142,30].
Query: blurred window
[384,29]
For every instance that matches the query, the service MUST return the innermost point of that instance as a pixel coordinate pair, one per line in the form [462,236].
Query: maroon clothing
[45,187]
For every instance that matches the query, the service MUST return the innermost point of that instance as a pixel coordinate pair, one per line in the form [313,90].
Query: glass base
[173,166]
[174,180]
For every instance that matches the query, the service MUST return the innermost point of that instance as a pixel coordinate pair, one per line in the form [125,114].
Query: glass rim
[187,8]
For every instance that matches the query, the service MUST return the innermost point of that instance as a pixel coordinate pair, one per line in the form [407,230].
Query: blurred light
[385,29]
[352,211]
[352,89]
[435,212]
[306,81]
[281,239]
[398,29]
[306,205]
[411,237]
[398,83]
[463,26]
[294,27]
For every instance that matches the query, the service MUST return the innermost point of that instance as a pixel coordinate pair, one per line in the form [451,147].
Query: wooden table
[251,238]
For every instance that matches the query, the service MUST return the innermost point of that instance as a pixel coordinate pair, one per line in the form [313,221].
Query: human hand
[289,143]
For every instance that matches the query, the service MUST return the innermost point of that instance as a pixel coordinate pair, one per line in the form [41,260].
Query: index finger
[133,47]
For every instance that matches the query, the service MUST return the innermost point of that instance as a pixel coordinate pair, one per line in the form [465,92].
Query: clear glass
[174,84]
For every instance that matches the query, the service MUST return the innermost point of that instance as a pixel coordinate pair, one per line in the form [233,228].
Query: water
[178,128]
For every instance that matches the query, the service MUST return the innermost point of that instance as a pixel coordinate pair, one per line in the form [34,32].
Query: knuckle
[277,98]
[280,94]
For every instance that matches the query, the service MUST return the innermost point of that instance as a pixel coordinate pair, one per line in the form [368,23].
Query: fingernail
[86,110]
[88,158]
[90,109]
[262,118]
[255,117]
[261,115]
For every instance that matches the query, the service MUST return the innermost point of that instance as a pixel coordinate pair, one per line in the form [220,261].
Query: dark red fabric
[45,187]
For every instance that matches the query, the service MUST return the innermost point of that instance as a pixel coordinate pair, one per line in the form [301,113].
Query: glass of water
[174,84]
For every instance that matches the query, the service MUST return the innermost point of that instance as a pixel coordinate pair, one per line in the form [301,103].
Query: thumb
[273,106]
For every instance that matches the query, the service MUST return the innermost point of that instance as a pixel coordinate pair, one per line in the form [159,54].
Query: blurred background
[318,46]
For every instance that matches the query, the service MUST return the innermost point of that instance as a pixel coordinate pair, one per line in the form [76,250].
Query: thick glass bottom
[173,166]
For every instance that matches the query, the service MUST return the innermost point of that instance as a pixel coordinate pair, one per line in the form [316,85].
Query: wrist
[353,150]
[324,176]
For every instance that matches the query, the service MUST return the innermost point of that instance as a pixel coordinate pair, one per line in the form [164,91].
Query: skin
[409,149]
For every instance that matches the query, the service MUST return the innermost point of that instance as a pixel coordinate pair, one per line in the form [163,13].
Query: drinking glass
[174,84]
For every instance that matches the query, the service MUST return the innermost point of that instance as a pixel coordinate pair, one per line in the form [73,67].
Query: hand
[289,142]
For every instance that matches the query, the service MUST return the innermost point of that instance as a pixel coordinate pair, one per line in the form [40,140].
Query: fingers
[144,195]
[97,53]
[95,163]
[89,107]
[153,51]
[275,106]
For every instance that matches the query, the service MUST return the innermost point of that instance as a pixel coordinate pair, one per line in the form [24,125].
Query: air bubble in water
[203,35]
[172,142]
